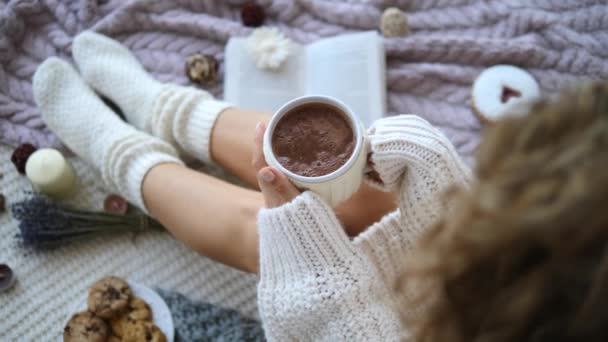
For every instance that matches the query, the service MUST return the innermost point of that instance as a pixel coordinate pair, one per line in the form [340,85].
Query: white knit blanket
[49,283]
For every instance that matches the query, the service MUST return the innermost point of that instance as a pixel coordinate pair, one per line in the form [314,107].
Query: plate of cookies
[116,310]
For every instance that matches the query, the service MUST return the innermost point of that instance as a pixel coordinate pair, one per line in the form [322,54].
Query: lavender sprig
[45,224]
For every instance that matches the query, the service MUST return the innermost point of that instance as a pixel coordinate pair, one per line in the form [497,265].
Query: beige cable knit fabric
[318,285]
[73,111]
[182,116]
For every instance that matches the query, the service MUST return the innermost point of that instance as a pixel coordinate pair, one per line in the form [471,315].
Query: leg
[215,218]
[231,143]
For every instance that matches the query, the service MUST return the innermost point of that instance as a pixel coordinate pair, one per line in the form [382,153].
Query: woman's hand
[371,174]
[275,186]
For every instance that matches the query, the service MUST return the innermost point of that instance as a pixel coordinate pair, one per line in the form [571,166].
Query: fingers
[276,187]
[258,161]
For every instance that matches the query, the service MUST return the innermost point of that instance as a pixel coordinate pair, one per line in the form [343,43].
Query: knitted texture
[318,285]
[200,321]
[122,154]
[417,161]
[182,116]
[429,72]
[185,117]
[112,71]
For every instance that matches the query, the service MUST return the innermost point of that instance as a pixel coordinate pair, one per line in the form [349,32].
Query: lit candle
[50,173]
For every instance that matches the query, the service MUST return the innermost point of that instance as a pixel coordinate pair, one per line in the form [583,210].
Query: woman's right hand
[275,186]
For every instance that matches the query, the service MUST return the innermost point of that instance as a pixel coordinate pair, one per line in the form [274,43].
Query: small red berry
[21,155]
[252,14]
[114,204]
[7,277]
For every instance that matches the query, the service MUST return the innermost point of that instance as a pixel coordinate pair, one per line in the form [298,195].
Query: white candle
[50,173]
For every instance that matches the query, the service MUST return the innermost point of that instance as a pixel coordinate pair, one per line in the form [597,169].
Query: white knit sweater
[318,285]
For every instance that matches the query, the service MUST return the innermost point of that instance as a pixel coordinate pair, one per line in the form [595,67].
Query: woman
[523,255]
[315,282]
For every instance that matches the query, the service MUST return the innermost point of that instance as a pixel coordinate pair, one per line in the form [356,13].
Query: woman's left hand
[275,186]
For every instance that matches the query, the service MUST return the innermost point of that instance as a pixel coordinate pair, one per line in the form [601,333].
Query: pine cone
[202,69]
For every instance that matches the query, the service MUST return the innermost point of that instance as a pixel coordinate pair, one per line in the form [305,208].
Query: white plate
[160,311]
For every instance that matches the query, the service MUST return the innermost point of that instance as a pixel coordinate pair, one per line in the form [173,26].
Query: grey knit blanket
[204,322]
[429,72]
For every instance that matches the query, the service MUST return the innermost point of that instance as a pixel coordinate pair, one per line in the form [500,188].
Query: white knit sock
[182,116]
[90,129]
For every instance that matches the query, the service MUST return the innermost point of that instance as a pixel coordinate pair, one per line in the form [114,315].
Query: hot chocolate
[313,140]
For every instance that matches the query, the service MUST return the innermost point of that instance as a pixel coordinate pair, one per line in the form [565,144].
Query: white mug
[340,184]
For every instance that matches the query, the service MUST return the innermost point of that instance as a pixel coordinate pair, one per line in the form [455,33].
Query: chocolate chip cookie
[138,311]
[109,297]
[85,327]
[139,331]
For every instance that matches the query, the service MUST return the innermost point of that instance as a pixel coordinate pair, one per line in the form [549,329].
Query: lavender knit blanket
[429,72]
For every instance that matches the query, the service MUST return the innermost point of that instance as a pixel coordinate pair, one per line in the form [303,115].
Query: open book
[349,67]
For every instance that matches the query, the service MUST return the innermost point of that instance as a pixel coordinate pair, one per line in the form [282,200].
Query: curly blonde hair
[524,255]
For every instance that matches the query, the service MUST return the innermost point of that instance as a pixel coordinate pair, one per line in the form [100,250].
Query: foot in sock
[182,116]
[90,129]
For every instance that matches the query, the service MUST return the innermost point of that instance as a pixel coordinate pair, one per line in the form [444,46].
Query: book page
[350,68]
[251,88]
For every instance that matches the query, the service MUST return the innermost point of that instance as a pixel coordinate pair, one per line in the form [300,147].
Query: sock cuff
[192,128]
[139,170]
[128,162]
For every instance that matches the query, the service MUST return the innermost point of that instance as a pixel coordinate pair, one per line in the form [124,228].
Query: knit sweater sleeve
[417,161]
[315,284]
